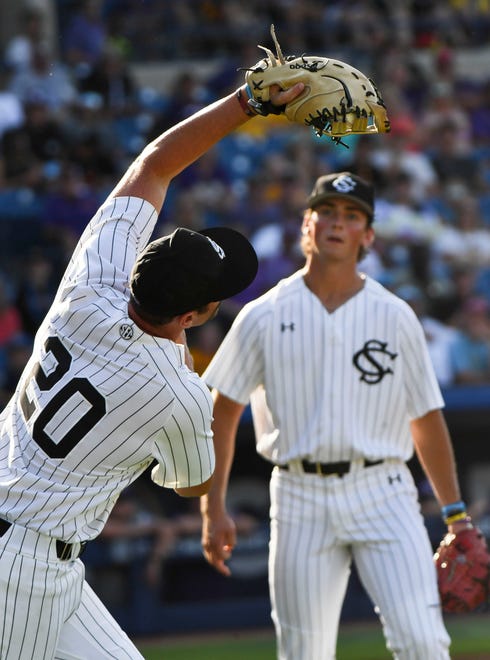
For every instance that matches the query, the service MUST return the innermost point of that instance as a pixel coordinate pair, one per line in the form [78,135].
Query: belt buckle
[319,471]
[63,550]
[66,551]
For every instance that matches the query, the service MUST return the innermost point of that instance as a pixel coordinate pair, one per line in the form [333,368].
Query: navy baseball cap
[186,270]
[343,184]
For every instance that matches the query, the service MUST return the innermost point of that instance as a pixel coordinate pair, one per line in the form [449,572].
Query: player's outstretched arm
[218,528]
[435,452]
[162,159]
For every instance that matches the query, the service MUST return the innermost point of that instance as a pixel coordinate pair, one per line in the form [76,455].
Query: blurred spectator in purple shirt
[85,37]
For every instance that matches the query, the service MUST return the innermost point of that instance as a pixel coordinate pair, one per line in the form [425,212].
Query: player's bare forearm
[162,159]
[218,528]
[435,453]
[226,417]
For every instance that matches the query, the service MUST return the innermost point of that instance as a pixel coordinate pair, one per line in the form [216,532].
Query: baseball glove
[337,100]
[463,570]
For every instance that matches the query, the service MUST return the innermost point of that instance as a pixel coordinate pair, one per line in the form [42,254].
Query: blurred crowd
[74,113]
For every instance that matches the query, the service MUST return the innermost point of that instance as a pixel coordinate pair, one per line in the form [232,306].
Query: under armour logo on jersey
[344,183]
[391,480]
[287,326]
[126,331]
[371,369]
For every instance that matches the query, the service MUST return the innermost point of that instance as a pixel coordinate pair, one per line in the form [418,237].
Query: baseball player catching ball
[109,390]
[342,390]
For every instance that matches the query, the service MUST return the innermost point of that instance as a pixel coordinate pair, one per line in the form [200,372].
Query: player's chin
[335,248]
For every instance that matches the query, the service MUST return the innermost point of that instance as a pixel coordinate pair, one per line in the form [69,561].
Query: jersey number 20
[82,386]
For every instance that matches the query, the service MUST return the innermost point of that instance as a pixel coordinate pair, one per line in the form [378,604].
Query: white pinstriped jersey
[100,399]
[328,386]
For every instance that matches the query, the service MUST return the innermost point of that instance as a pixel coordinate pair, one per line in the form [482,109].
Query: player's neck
[333,285]
[171,330]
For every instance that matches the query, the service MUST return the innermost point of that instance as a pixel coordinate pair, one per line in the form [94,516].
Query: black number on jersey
[45,382]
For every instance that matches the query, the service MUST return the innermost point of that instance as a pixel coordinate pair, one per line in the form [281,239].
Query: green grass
[470,635]
[236,648]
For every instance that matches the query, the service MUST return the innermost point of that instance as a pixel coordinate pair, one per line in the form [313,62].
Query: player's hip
[27,542]
[343,476]
[348,505]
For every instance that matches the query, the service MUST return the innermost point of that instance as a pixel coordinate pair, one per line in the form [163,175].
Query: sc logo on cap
[344,183]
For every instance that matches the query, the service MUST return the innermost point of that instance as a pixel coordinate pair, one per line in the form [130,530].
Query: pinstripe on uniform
[330,387]
[97,403]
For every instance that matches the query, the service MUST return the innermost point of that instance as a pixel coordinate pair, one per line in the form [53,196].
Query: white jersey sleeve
[237,368]
[110,244]
[421,386]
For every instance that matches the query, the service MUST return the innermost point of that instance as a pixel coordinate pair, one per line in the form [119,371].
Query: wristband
[252,108]
[452,509]
[244,104]
[457,517]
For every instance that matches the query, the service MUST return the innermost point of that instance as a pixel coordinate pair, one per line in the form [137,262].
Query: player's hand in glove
[337,99]
[463,570]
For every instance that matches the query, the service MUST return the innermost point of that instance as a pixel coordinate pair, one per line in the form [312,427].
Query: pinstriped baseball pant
[319,525]
[49,611]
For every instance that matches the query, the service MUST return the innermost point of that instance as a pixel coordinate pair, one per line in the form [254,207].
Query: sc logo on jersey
[369,360]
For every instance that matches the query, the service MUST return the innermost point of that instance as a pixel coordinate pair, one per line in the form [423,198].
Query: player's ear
[305,226]
[186,320]
[369,237]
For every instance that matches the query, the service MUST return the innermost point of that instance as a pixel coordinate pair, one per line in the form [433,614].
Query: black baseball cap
[343,184]
[186,270]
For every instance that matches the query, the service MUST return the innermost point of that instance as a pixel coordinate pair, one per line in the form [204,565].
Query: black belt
[64,551]
[339,468]
[4,527]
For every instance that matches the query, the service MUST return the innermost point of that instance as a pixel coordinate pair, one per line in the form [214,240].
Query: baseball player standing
[107,391]
[341,389]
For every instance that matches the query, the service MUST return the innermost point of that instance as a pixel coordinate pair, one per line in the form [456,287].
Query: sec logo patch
[126,331]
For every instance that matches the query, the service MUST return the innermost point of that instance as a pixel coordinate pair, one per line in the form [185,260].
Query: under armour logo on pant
[285,326]
[392,480]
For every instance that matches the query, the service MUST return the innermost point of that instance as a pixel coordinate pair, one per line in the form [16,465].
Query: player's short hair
[186,270]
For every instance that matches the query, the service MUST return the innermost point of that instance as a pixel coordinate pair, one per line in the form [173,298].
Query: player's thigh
[308,582]
[92,633]
[35,598]
[399,575]
[308,573]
